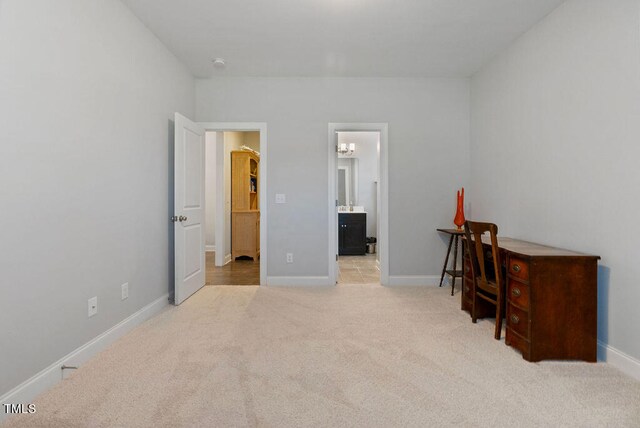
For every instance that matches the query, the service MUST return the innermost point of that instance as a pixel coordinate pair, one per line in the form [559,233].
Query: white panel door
[189,170]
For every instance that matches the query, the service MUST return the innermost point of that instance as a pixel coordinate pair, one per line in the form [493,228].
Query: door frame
[262,192]
[383,220]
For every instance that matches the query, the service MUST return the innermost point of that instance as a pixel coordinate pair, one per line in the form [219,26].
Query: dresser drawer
[518,321]
[518,293]
[518,268]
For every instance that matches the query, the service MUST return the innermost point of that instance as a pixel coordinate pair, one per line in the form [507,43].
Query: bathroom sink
[356,209]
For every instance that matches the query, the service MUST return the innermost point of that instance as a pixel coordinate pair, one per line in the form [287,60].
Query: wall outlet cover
[92,306]
[289,257]
[281,198]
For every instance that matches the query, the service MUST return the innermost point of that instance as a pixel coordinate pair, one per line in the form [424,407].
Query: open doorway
[357,199]
[236,261]
[235,185]
[358,167]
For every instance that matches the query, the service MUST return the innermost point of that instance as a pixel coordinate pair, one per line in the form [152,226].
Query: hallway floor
[353,270]
[239,272]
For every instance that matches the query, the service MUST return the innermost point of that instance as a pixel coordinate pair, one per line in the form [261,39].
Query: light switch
[281,198]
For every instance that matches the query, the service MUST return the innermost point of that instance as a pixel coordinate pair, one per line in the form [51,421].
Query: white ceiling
[381,38]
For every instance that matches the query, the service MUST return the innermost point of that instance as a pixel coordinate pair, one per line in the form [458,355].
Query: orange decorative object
[458,220]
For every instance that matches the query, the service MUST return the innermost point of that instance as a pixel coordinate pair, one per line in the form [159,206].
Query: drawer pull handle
[515,319]
[516,292]
[466,269]
[516,268]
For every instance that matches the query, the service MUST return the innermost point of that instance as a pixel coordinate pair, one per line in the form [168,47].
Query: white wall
[232,141]
[87,95]
[210,186]
[367,176]
[428,158]
[555,147]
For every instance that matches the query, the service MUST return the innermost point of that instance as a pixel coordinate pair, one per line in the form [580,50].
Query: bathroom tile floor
[358,270]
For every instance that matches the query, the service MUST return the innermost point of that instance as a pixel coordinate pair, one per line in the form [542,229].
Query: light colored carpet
[346,356]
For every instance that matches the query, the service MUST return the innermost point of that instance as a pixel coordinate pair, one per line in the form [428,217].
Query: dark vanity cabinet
[352,234]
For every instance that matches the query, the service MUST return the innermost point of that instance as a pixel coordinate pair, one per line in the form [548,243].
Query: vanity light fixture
[347,150]
[218,62]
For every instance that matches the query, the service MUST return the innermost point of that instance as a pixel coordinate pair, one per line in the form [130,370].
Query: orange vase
[458,220]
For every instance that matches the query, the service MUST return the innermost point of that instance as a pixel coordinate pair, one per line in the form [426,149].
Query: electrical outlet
[289,257]
[125,290]
[92,305]
[281,198]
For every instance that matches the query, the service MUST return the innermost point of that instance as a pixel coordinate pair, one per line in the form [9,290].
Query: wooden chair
[488,280]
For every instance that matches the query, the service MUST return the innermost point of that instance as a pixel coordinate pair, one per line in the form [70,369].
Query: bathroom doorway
[358,198]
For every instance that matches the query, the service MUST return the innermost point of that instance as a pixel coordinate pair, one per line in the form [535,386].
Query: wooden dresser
[245,207]
[551,300]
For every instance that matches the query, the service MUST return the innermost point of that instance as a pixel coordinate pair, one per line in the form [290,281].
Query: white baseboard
[299,281]
[210,248]
[414,280]
[623,362]
[47,378]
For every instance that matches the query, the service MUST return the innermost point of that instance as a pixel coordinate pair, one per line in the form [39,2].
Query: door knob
[182,218]
[174,219]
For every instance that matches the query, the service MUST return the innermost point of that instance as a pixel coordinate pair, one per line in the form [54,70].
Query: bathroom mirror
[347,181]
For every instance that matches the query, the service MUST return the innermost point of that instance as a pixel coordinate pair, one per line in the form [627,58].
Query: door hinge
[336,257]
[336,202]
[174,219]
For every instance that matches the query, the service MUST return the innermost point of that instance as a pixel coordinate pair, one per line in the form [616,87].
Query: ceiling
[364,38]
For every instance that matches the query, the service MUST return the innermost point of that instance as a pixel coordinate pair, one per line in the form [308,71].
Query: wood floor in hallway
[239,272]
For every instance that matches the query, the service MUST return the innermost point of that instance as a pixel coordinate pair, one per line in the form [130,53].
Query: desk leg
[446,260]
[455,266]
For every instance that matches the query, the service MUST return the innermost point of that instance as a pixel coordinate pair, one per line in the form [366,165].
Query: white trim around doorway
[383,239]
[262,128]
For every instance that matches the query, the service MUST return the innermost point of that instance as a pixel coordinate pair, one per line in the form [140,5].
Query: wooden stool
[453,272]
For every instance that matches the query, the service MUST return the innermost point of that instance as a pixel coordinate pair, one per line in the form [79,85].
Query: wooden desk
[551,300]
